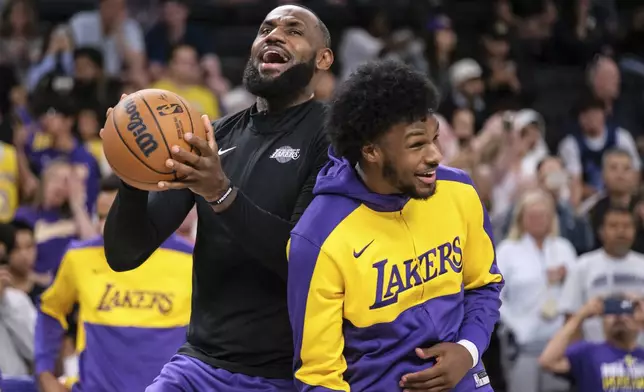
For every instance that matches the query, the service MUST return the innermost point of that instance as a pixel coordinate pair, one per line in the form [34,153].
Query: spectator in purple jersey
[57,116]
[57,216]
[616,365]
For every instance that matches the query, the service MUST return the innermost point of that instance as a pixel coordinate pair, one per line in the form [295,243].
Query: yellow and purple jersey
[130,323]
[373,277]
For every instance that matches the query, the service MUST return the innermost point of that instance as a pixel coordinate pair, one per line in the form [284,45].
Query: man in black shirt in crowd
[250,186]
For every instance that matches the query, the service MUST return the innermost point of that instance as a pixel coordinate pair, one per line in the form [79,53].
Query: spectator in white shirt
[612,270]
[119,37]
[17,321]
[534,261]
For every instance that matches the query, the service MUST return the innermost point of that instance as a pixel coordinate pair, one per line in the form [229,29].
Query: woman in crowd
[534,260]
[58,216]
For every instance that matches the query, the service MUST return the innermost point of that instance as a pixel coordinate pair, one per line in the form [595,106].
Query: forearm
[556,348]
[38,71]
[47,382]
[86,228]
[579,332]
[24,172]
[481,313]
[267,232]
[139,222]
[576,191]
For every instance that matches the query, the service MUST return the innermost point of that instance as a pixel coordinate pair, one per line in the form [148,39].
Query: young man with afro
[393,283]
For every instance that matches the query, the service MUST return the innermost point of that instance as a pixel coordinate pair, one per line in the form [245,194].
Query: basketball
[140,131]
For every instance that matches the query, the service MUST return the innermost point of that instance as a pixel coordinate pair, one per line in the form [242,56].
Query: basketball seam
[173,172]
[118,132]
[132,179]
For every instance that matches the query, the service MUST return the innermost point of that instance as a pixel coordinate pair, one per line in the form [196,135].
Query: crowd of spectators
[542,103]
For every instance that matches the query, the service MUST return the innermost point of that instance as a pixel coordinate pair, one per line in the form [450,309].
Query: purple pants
[187,374]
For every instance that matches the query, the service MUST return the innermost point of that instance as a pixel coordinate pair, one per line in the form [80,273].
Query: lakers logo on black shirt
[285,154]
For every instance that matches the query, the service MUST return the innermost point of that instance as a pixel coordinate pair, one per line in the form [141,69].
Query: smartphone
[617,305]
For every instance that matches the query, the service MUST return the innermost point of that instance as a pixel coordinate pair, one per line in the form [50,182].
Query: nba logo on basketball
[168,109]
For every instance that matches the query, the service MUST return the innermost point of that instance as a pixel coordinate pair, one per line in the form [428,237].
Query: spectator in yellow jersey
[185,78]
[130,323]
[8,182]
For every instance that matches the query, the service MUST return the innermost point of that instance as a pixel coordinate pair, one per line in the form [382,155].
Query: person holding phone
[615,365]
[611,270]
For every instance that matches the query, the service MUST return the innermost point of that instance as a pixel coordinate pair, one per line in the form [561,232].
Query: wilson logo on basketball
[168,109]
[144,140]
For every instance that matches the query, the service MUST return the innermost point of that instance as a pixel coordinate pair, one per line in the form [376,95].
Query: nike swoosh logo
[358,254]
[222,152]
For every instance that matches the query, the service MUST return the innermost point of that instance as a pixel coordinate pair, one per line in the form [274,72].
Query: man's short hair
[587,103]
[615,151]
[19,225]
[181,45]
[7,236]
[44,102]
[616,209]
[94,55]
[378,96]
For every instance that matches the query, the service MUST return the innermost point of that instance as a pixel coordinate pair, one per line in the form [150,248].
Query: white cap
[464,70]
[525,117]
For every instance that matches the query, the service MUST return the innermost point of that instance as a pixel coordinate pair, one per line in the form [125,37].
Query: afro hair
[376,97]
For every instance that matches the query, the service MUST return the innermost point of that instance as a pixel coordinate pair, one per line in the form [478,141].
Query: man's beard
[389,173]
[619,332]
[286,86]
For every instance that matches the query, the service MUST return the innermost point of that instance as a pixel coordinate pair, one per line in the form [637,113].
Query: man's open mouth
[274,56]
[273,59]
[428,177]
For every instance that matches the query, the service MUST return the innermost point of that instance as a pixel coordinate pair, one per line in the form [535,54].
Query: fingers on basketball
[210,136]
[140,132]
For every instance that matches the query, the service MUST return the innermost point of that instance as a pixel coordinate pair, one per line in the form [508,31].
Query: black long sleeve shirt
[239,316]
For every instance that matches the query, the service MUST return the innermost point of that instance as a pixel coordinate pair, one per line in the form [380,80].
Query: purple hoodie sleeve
[55,304]
[315,302]
[49,337]
[482,279]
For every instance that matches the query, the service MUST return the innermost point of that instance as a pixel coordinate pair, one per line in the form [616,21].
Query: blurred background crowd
[542,102]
